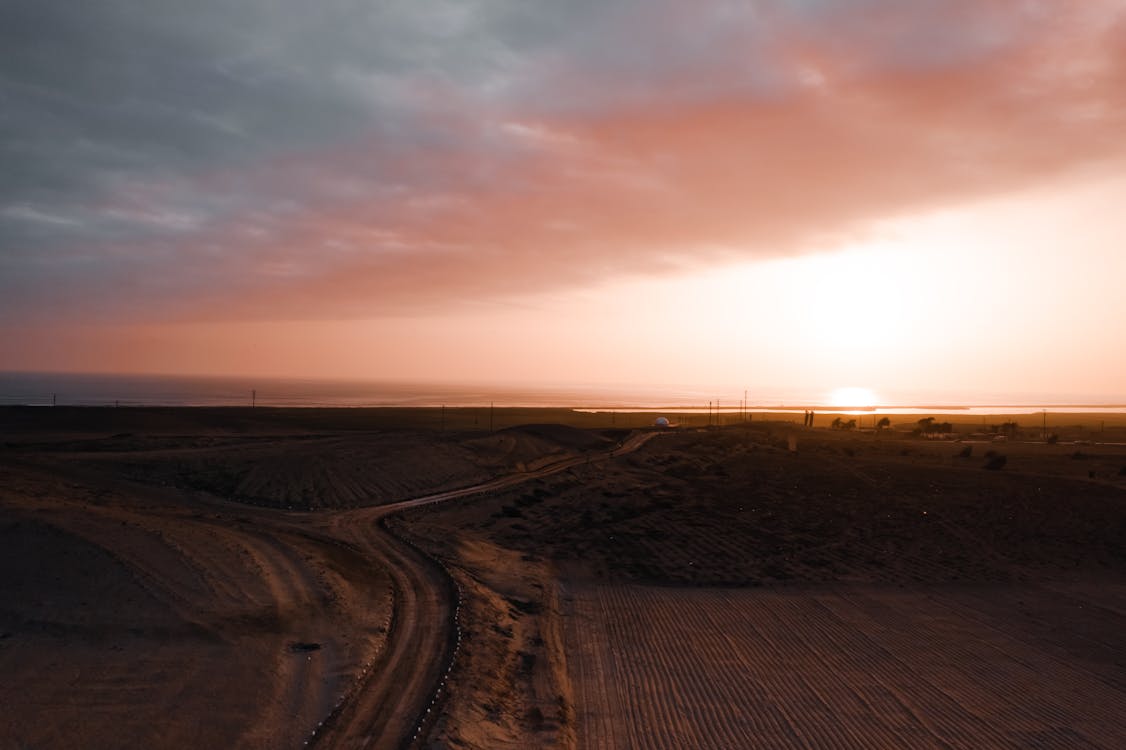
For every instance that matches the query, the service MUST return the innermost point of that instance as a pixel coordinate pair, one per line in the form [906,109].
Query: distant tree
[927,426]
[883,424]
[836,423]
[849,425]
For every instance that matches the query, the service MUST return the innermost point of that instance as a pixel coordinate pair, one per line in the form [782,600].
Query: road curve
[393,696]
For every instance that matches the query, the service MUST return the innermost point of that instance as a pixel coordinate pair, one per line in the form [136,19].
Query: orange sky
[903,197]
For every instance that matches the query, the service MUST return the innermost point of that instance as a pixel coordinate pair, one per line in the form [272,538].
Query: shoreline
[103,389]
[290,419]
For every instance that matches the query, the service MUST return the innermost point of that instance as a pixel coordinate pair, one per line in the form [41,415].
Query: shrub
[996,463]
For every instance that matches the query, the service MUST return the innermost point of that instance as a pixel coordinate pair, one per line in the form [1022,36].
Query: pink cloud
[509,201]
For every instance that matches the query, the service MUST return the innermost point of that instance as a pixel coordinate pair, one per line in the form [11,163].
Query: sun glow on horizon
[852,396]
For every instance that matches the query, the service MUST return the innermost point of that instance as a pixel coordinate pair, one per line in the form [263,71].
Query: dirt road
[394,696]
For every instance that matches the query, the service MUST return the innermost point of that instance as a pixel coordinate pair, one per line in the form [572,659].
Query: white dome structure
[662,422]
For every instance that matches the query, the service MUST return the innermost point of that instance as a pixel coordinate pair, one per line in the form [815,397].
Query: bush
[1008,428]
[928,426]
[996,463]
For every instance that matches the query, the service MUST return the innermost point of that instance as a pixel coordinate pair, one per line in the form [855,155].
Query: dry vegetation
[713,589]
[737,508]
[717,590]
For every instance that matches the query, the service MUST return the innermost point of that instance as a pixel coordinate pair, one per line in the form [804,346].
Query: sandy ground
[160,585]
[718,590]
[134,620]
[220,578]
[1013,666]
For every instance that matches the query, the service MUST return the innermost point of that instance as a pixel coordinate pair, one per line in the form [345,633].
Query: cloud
[343,160]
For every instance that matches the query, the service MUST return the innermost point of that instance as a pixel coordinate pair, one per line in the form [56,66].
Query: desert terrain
[544,578]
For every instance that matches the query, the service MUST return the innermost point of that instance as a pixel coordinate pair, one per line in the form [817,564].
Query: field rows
[846,667]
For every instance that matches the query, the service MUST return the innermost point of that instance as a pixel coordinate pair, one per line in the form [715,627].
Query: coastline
[100,389]
[289,419]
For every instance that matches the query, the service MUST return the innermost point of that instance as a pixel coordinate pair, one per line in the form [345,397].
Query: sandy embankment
[138,621]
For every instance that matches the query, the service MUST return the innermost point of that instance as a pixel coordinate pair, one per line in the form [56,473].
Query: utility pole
[54,398]
[490,416]
[443,428]
[1045,432]
[253,398]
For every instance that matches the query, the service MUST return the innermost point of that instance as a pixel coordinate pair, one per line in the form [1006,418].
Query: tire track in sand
[397,692]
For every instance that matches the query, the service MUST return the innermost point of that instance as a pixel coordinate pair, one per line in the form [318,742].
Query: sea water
[73,389]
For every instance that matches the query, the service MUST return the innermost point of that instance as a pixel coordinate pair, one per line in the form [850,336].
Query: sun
[853,397]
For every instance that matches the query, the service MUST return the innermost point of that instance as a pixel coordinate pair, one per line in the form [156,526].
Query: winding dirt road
[394,695]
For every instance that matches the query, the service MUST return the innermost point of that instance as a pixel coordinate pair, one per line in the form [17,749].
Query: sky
[921,197]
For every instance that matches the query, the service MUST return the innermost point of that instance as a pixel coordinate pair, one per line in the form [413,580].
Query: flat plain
[717,590]
[230,578]
[845,666]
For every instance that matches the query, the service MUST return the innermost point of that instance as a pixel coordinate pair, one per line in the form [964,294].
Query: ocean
[72,389]
[45,389]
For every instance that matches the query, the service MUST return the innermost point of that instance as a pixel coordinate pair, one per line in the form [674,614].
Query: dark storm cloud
[97,94]
[147,123]
[101,99]
[125,122]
